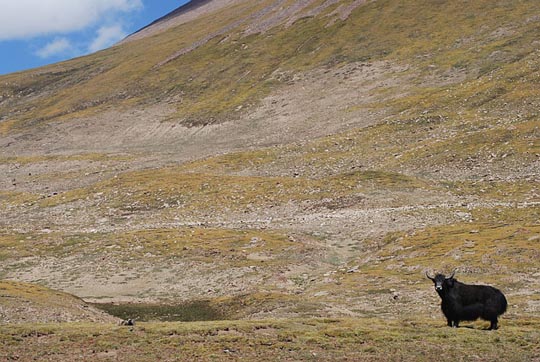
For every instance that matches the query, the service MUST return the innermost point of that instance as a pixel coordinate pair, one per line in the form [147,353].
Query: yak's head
[442,282]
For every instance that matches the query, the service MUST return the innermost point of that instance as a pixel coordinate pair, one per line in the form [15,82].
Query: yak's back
[489,296]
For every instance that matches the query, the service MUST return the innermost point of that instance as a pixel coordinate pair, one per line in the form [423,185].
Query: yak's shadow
[476,328]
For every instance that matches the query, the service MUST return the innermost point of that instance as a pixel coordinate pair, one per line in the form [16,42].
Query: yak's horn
[427,275]
[453,273]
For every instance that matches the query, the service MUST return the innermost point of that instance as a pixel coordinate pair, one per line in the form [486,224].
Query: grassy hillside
[299,340]
[294,184]
[25,303]
[230,70]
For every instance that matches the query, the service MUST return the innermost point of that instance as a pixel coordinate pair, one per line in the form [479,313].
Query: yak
[463,302]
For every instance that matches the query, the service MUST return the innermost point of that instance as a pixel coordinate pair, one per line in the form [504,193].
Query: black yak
[463,302]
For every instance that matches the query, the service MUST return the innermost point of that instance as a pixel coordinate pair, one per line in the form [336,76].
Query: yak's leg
[494,324]
[449,322]
[456,324]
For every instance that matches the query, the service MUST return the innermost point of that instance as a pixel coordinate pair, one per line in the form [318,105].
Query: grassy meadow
[309,250]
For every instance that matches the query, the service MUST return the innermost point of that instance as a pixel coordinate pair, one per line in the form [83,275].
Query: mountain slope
[262,155]
[25,303]
[182,15]
[221,51]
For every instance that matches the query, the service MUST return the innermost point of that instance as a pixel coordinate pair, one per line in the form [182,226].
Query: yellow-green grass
[17,198]
[16,246]
[22,302]
[35,293]
[485,140]
[411,339]
[511,248]
[212,245]
[328,167]
[228,247]
[167,188]
[115,76]
[491,252]
[425,142]
[509,90]
[26,160]
[420,145]
[503,254]
[372,149]
[512,214]
[516,191]
[236,162]
[216,78]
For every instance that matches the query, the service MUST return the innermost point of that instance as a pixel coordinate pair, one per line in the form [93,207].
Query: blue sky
[39,32]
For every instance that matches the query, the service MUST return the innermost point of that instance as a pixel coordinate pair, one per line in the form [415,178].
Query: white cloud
[29,18]
[107,36]
[58,46]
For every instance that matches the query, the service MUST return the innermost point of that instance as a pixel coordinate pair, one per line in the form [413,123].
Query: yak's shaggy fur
[463,302]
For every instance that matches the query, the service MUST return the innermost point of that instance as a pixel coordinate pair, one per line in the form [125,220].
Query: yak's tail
[498,303]
[503,304]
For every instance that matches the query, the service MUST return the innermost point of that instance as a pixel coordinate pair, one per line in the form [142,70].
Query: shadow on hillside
[189,311]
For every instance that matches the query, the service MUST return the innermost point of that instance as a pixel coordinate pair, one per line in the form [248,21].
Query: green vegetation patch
[25,303]
[188,311]
[207,244]
[410,339]
[18,198]
[173,189]
[512,192]
[231,163]
[24,160]
[45,244]
[35,293]
[231,72]
[194,243]
[493,250]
